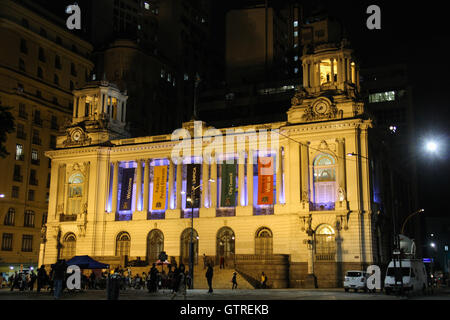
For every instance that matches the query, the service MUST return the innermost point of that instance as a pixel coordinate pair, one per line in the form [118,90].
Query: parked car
[356,280]
[407,274]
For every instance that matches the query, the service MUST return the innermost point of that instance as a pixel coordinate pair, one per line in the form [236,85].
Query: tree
[6,126]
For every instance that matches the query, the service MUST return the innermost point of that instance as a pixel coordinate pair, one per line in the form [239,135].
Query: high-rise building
[41,62]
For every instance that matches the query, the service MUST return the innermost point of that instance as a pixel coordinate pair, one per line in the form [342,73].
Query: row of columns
[209,176]
[105,101]
[346,72]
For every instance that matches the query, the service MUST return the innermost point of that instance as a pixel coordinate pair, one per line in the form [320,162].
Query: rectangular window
[29,219]
[33,180]
[53,142]
[15,192]
[57,62]
[21,131]
[17,176]
[23,46]
[36,139]
[22,111]
[54,123]
[35,156]
[19,152]
[27,243]
[30,195]
[382,97]
[7,241]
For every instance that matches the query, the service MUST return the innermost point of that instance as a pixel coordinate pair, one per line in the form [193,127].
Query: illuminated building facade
[284,197]
[40,64]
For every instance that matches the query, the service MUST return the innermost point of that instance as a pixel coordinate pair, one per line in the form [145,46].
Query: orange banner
[265,180]
[159,187]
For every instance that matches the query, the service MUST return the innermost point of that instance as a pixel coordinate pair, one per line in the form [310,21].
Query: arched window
[123,243]
[324,182]
[155,244]
[325,243]
[76,184]
[264,242]
[69,247]
[225,244]
[10,217]
[185,244]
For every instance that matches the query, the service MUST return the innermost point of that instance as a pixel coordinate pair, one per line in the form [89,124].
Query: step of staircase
[221,279]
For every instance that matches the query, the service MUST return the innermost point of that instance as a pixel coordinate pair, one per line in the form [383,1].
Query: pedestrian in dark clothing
[41,278]
[14,281]
[263,280]
[222,262]
[153,281]
[209,276]
[59,273]
[234,281]
[33,278]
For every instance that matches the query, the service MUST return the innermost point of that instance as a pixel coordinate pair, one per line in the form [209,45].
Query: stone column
[205,184]
[305,75]
[138,185]
[250,178]
[241,181]
[179,183]
[115,187]
[304,171]
[171,183]
[341,164]
[279,174]
[146,184]
[332,70]
[294,173]
[214,184]
[349,71]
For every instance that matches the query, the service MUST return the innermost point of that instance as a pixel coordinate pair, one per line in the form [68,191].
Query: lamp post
[408,217]
[191,243]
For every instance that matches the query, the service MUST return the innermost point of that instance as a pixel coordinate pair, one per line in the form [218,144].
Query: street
[226,294]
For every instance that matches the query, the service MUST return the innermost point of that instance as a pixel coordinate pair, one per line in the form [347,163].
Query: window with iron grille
[29,219]
[27,243]
[19,152]
[7,241]
[10,217]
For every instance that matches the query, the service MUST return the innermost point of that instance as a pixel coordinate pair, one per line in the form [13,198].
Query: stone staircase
[221,279]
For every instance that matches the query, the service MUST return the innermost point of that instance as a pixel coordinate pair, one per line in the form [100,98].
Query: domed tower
[330,84]
[99,115]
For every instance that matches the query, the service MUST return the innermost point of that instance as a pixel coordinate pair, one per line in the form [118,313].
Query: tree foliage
[6,126]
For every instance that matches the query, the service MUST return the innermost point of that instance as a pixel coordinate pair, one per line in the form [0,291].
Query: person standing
[41,278]
[209,276]
[222,262]
[180,282]
[58,278]
[234,281]
[205,260]
[32,280]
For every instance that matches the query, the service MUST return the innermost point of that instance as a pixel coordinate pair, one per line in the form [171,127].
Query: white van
[413,273]
[356,280]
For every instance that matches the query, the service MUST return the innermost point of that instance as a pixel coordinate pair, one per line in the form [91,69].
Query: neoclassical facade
[292,199]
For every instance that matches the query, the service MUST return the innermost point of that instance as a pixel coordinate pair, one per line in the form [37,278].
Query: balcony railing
[329,206]
[156,215]
[325,257]
[263,210]
[67,217]
[124,217]
[20,157]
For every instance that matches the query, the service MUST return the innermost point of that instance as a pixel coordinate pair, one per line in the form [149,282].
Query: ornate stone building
[293,199]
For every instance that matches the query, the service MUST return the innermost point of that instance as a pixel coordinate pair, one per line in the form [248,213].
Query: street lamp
[190,199]
[431,146]
[407,218]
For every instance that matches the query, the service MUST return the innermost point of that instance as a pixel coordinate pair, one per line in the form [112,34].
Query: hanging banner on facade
[159,187]
[265,180]
[126,193]
[228,194]
[193,185]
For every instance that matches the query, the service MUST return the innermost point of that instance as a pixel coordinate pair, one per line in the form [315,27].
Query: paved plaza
[226,294]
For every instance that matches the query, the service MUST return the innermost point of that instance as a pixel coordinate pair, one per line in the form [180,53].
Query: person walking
[263,280]
[14,281]
[234,281]
[222,262]
[153,281]
[41,278]
[209,276]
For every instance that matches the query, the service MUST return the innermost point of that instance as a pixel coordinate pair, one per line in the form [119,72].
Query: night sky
[415,33]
